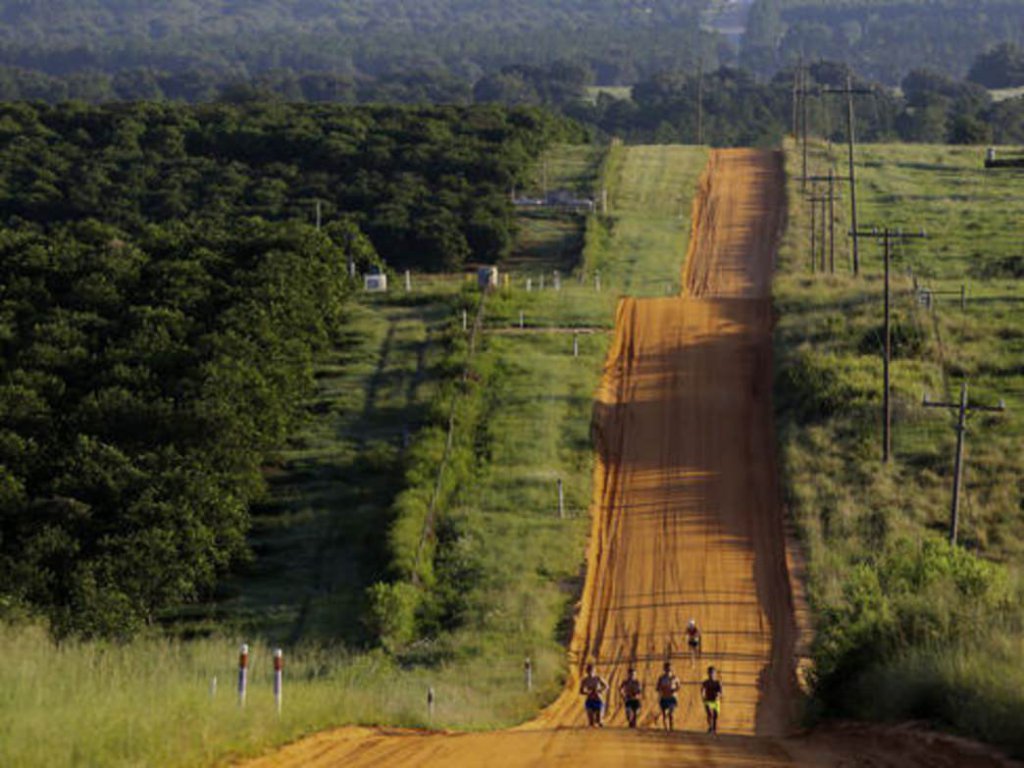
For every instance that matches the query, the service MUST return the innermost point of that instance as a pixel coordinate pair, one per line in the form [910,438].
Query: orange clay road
[687,523]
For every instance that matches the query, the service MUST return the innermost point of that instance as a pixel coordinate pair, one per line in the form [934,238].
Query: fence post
[528,669]
[575,345]
[561,500]
[243,673]
[465,320]
[408,281]
[278,678]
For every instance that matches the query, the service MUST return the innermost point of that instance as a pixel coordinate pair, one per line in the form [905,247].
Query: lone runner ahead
[668,686]
[693,640]
[631,690]
[593,687]
[711,693]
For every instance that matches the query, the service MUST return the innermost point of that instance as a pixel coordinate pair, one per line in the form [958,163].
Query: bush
[915,595]
[392,613]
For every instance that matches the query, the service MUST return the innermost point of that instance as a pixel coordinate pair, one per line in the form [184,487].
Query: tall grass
[887,648]
[150,702]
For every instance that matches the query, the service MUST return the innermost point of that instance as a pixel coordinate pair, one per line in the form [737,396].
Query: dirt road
[686,524]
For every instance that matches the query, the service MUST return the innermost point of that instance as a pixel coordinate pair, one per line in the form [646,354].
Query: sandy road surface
[687,523]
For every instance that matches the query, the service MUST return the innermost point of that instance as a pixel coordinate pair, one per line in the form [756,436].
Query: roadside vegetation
[909,628]
[501,568]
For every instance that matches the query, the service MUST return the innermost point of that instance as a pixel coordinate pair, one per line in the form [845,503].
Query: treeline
[740,110]
[163,294]
[882,39]
[619,41]
[429,186]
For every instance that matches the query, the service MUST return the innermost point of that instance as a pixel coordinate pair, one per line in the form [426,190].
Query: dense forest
[163,294]
[179,48]
[466,38]
[882,39]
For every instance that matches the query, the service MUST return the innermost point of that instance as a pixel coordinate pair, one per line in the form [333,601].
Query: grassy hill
[909,628]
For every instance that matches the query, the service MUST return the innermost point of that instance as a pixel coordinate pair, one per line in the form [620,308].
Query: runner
[711,693]
[593,687]
[631,690]
[668,686]
[693,641]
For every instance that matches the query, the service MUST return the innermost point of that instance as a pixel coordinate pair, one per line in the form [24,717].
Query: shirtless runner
[668,686]
[631,690]
[593,687]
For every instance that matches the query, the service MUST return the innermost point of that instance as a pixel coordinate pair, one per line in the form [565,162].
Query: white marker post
[465,320]
[243,674]
[556,281]
[528,670]
[278,678]
[529,284]
[213,688]
[561,500]
[575,345]
[408,281]
[522,320]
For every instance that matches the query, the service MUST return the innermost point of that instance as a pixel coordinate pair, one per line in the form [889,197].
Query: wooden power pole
[963,407]
[830,198]
[700,103]
[888,238]
[849,91]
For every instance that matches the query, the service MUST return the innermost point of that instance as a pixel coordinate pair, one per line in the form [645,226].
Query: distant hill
[882,39]
[621,40]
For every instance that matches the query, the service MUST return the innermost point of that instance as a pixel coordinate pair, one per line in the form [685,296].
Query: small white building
[487,278]
[375,283]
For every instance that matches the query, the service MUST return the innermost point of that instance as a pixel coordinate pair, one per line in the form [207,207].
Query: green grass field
[930,633]
[318,539]
[315,541]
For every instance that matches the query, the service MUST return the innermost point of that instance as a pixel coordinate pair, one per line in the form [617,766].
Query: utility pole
[700,103]
[797,85]
[832,221]
[849,91]
[963,407]
[888,238]
[803,115]
[830,199]
[824,223]
[814,231]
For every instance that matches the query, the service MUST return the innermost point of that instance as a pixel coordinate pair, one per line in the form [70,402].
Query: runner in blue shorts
[668,686]
[631,691]
[593,687]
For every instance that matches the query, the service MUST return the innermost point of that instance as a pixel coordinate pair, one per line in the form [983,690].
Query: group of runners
[594,689]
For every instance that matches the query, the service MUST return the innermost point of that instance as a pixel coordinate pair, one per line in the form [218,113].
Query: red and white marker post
[278,678]
[243,673]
